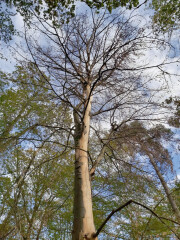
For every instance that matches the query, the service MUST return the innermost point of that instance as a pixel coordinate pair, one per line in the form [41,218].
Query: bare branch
[125,205]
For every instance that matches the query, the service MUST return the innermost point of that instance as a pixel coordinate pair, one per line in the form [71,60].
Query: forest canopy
[166,14]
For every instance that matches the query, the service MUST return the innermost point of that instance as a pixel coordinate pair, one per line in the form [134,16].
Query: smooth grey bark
[83,225]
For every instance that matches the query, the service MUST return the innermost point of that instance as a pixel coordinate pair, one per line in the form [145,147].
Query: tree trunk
[83,225]
[166,189]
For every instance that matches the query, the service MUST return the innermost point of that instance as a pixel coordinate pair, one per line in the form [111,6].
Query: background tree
[30,155]
[150,145]
[32,200]
[25,106]
[133,174]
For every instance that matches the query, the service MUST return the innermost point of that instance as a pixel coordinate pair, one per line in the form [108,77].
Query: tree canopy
[166,13]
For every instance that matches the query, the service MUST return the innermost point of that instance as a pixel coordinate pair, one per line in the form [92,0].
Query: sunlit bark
[83,226]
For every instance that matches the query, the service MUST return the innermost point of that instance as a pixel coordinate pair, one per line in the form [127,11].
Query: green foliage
[34,184]
[6,25]
[53,6]
[43,194]
[113,189]
[174,120]
[165,19]
[124,174]
[57,10]
[167,15]
[130,179]
[26,106]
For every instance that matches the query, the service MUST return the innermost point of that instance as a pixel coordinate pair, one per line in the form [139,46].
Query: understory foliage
[43,104]
[36,188]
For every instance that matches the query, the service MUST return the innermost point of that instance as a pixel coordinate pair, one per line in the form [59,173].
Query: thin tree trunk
[83,225]
[166,189]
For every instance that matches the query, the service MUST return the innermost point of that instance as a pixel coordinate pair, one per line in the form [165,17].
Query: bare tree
[93,66]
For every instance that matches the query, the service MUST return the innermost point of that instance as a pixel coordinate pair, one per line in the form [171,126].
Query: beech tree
[92,67]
